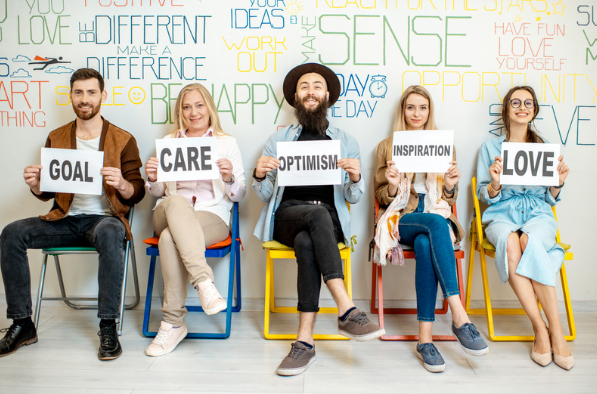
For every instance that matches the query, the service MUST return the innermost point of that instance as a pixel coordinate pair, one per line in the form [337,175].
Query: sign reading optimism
[530,164]
[304,163]
[423,150]
[187,159]
[71,171]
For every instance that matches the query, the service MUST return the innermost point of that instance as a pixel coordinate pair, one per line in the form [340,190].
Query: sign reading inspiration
[423,150]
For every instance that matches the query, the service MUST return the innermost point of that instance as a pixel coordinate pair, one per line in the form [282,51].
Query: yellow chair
[482,245]
[276,250]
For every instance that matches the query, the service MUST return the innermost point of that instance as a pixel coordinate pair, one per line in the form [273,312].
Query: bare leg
[305,333]
[459,315]
[548,298]
[525,292]
[425,332]
[340,295]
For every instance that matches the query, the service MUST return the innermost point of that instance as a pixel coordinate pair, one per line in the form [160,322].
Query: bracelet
[559,187]
[449,191]
[491,189]
[231,181]
[256,177]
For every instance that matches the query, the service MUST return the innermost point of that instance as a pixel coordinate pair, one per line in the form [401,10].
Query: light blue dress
[524,208]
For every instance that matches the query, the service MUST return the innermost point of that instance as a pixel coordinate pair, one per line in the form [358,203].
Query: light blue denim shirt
[269,192]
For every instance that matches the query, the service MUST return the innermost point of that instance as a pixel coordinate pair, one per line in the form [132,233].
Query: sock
[344,316]
[25,322]
[107,323]
[306,344]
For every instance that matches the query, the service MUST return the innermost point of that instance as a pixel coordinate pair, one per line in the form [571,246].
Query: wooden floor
[65,360]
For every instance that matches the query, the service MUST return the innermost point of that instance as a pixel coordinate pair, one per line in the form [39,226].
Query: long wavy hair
[400,122]
[214,119]
[532,132]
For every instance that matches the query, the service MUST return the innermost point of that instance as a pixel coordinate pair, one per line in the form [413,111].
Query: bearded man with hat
[313,219]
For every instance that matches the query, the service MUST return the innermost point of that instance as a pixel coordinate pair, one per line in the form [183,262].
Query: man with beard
[77,220]
[313,219]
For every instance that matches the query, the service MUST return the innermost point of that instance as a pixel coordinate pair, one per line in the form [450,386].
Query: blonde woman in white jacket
[190,215]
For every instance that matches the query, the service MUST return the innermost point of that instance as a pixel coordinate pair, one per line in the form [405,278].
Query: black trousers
[314,232]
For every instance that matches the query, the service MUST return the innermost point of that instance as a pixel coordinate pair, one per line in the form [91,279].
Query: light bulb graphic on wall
[293,8]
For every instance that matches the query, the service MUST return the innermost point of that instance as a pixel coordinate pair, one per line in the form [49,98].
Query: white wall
[458,49]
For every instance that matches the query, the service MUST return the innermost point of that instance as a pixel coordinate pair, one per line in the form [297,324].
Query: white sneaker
[211,300]
[166,340]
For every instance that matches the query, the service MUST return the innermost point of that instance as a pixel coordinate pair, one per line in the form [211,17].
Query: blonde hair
[214,119]
[400,123]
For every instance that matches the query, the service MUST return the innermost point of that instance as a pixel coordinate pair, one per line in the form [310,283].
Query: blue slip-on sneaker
[432,360]
[470,339]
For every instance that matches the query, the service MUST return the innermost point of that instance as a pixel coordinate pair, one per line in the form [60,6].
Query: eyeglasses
[516,103]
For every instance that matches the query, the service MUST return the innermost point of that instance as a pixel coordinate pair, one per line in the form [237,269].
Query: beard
[313,119]
[86,115]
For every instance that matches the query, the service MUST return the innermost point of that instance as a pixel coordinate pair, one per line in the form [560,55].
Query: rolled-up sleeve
[484,178]
[265,188]
[353,191]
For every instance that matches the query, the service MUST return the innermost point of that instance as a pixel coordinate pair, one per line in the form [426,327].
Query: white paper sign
[423,150]
[530,164]
[187,159]
[71,171]
[308,163]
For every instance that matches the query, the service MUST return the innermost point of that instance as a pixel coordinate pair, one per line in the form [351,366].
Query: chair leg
[123,289]
[269,273]
[238,281]
[374,268]
[133,258]
[487,296]
[568,304]
[40,289]
[148,296]
[469,277]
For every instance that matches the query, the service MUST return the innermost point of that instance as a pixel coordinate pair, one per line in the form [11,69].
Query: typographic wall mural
[468,53]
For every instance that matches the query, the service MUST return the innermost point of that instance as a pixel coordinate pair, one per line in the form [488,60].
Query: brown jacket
[120,151]
[384,154]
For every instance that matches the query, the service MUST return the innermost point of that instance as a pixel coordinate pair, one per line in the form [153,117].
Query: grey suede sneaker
[470,339]
[432,359]
[357,326]
[297,361]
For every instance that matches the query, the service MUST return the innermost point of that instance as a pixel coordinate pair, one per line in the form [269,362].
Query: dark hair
[87,73]
[532,132]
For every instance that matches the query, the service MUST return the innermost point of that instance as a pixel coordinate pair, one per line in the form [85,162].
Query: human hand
[392,174]
[225,167]
[151,169]
[31,175]
[113,177]
[495,170]
[266,164]
[452,176]
[353,167]
[563,170]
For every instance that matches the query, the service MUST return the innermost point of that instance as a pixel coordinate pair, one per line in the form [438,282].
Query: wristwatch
[256,177]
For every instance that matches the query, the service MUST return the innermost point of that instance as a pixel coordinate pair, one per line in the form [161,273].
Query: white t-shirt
[420,184]
[87,204]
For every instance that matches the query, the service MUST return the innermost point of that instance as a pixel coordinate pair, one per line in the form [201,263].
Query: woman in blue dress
[521,225]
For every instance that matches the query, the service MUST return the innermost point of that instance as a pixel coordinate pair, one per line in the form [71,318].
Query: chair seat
[278,246]
[488,246]
[69,249]
[153,241]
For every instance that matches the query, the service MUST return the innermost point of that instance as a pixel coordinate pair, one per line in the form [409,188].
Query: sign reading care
[71,171]
[187,159]
[530,164]
[423,150]
[304,163]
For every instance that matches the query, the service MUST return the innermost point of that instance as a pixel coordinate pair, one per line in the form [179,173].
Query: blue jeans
[314,234]
[434,254]
[105,233]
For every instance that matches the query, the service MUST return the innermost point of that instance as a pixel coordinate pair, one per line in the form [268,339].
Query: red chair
[377,291]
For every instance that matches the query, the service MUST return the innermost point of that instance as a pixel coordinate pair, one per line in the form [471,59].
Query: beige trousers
[184,233]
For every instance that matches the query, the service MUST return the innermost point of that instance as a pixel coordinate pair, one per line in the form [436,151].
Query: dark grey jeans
[105,233]
[314,235]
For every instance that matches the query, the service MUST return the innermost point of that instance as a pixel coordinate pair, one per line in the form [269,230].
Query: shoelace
[360,318]
[9,330]
[106,338]
[296,352]
[210,294]
[472,329]
[429,348]
[162,337]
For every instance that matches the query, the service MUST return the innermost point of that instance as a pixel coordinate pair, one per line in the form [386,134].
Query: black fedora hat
[296,73]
